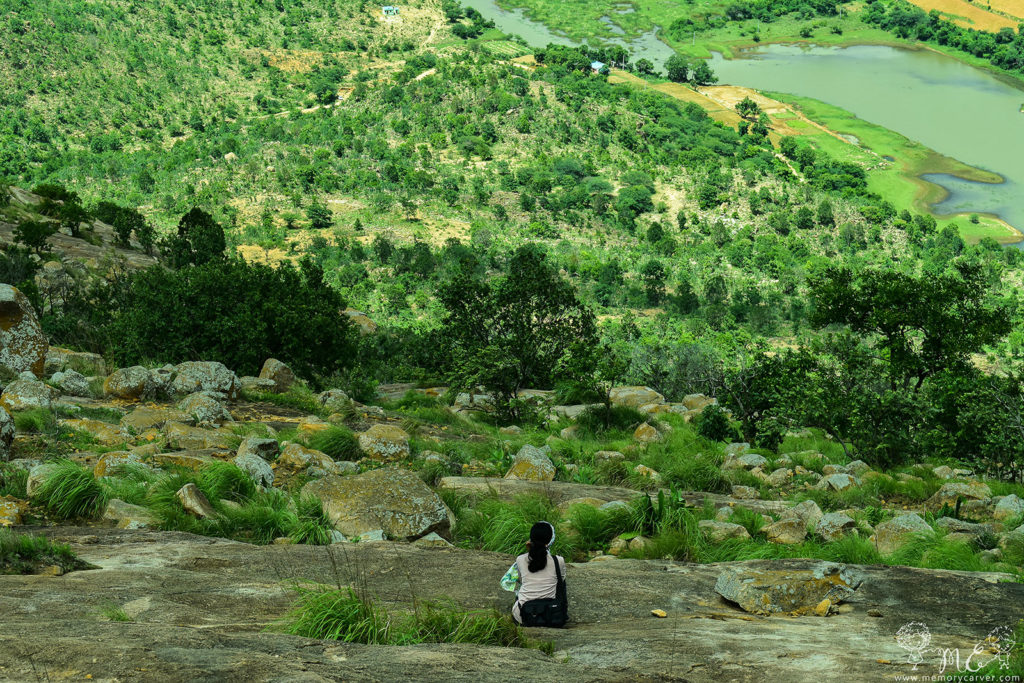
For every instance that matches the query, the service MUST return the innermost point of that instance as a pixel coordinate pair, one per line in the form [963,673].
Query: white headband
[552,541]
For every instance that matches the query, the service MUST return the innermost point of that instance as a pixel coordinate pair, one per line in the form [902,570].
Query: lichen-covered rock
[205,376]
[194,502]
[645,472]
[279,373]
[1008,507]
[532,464]
[787,531]
[646,433]
[131,383]
[834,526]
[745,492]
[299,457]
[780,477]
[718,531]
[11,510]
[838,481]
[23,345]
[1012,540]
[806,511]
[634,397]
[608,457]
[385,442]
[37,476]
[204,409]
[71,383]
[943,472]
[396,501]
[947,495]
[890,536]
[333,400]
[183,436]
[145,418]
[795,592]
[698,401]
[256,384]
[362,322]
[129,516]
[108,463]
[6,435]
[27,394]
[266,449]
[58,359]
[256,467]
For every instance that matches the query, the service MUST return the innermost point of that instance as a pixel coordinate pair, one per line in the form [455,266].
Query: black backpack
[550,613]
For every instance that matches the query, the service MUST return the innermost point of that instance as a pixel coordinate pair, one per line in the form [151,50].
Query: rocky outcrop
[532,464]
[634,396]
[395,501]
[72,383]
[23,345]
[717,531]
[205,376]
[279,373]
[766,591]
[1008,507]
[6,434]
[948,494]
[256,467]
[11,511]
[145,418]
[892,535]
[27,394]
[204,409]
[385,442]
[132,383]
[91,364]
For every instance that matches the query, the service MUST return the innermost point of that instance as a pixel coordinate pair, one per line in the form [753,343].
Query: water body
[959,111]
[536,34]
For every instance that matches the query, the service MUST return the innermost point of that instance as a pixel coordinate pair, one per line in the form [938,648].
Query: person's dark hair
[540,537]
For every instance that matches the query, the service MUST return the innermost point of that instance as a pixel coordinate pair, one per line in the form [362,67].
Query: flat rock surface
[204,610]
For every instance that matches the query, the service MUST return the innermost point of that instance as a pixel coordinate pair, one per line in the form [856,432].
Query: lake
[957,110]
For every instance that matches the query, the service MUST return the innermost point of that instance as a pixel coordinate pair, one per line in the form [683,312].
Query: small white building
[389,11]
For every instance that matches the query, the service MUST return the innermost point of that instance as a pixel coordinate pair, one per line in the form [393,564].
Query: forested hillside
[404,165]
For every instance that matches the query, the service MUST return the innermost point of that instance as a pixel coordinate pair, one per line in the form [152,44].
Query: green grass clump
[601,420]
[115,613]
[223,480]
[26,553]
[35,421]
[13,481]
[299,397]
[337,442]
[70,491]
[312,525]
[340,614]
[505,527]
[594,529]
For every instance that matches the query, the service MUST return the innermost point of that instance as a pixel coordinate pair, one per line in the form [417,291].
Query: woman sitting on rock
[541,597]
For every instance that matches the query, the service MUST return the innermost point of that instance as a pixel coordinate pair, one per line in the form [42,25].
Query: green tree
[748,109]
[200,239]
[703,75]
[35,235]
[525,329]
[320,217]
[653,274]
[677,69]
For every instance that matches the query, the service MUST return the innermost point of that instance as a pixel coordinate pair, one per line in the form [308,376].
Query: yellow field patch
[969,15]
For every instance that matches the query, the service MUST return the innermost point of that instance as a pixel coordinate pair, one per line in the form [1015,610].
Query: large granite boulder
[948,494]
[27,394]
[6,434]
[793,592]
[23,345]
[204,409]
[1008,507]
[385,442]
[72,383]
[396,501]
[717,531]
[787,531]
[205,376]
[634,397]
[834,526]
[532,464]
[279,373]
[892,535]
[131,383]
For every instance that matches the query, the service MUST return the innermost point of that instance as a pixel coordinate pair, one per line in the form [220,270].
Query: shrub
[223,480]
[70,491]
[714,424]
[600,419]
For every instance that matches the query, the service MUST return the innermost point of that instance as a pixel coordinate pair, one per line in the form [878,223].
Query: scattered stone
[256,467]
[745,493]
[1008,507]
[799,592]
[37,476]
[832,468]
[23,345]
[837,482]
[299,457]
[858,468]
[72,383]
[569,433]
[1012,539]
[24,394]
[194,502]
[396,501]
[375,536]
[751,460]
[943,472]
[890,536]
[385,442]
[822,608]
[698,401]
[948,494]
[131,383]
[834,526]
[511,430]
[129,516]
[334,400]
[204,409]
[281,375]
[875,613]
[58,359]
[266,449]
[780,477]
[737,448]
[618,546]
[145,418]
[787,531]
[645,434]
[205,376]
[6,434]
[647,473]
[11,510]
[718,531]
[608,456]
[192,460]
[807,512]
[194,438]
[660,613]
[108,463]
[634,396]
[432,540]
[532,464]
[256,384]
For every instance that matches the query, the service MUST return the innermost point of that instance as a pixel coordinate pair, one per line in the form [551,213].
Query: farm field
[969,15]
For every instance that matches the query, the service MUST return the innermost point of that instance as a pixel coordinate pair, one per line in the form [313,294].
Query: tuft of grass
[505,527]
[600,420]
[224,480]
[312,526]
[337,442]
[26,553]
[594,529]
[35,421]
[13,481]
[115,613]
[71,491]
[299,397]
[340,614]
